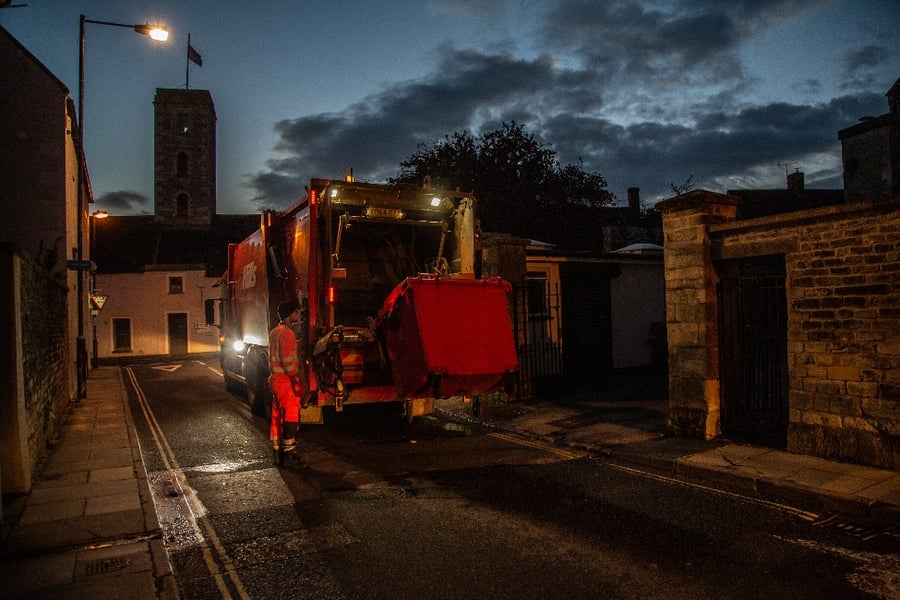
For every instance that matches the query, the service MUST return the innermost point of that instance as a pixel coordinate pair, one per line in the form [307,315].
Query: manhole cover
[109,565]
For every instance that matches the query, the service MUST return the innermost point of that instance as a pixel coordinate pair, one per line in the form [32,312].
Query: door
[753,350]
[587,323]
[178,333]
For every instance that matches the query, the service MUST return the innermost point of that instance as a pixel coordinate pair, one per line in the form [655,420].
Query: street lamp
[155,32]
[97,214]
[159,33]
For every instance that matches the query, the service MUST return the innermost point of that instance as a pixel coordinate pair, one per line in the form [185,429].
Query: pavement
[88,528]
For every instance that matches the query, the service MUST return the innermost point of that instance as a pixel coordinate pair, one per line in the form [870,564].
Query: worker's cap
[286,308]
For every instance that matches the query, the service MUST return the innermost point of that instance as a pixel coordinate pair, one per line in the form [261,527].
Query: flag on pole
[194,56]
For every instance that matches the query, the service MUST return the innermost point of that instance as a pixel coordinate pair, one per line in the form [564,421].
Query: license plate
[384,213]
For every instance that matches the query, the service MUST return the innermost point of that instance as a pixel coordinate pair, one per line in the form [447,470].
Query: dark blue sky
[645,93]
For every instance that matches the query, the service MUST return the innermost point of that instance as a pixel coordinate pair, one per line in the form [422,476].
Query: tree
[521,187]
[684,188]
[450,164]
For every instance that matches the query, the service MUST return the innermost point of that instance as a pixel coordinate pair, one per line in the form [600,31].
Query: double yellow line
[214,553]
[546,447]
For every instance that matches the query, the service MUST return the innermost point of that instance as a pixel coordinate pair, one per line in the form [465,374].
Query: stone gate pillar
[504,256]
[692,310]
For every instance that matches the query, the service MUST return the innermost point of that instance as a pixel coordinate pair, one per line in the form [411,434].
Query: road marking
[546,447]
[167,368]
[201,526]
[803,514]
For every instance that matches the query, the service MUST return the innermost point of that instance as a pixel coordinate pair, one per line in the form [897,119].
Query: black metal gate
[536,323]
[587,324]
[753,350]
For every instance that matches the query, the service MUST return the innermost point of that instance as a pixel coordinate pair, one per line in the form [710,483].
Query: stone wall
[184,125]
[843,294]
[870,157]
[35,366]
[691,311]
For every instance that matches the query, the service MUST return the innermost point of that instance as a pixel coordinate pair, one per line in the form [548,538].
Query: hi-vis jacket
[283,356]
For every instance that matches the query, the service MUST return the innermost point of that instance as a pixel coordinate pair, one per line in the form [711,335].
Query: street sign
[98,300]
[80,265]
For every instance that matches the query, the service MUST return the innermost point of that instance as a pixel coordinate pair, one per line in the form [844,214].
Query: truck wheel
[511,383]
[231,385]
[258,398]
[258,395]
[408,412]
[477,409]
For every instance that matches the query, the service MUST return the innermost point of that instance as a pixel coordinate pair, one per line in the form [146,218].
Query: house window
[181,206]
[121,335]
[538,289]
[181,165]
[176,285]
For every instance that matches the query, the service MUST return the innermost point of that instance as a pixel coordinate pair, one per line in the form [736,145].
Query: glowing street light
[155,32]
[159,33]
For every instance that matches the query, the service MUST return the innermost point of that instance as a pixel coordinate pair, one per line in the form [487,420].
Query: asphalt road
[382,509]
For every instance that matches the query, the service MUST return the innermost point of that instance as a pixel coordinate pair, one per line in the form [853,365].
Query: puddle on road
[464,428]
[223,467]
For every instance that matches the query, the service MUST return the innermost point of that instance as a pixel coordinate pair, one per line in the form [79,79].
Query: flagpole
[187,65]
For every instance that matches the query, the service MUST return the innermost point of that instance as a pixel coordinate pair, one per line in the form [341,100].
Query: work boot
[290,445]
[277,454]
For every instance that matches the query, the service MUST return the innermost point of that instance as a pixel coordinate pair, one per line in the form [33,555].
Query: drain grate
[109,565]
[863,533]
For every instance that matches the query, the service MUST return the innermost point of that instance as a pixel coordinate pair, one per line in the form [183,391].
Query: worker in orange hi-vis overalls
[284,364]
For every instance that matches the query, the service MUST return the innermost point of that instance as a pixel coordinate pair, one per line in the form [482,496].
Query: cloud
[663,45]
[865,57]
[124,202]
[470,90]
[719,149]
[481,9]
[859,66]
[646,97]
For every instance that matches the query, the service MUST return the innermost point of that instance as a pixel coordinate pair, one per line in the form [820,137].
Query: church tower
[184,158]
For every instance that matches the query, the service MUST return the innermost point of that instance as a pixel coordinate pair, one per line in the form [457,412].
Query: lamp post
[97,214]
[158,33]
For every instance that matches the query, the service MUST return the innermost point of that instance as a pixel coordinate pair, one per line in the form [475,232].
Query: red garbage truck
[391,308]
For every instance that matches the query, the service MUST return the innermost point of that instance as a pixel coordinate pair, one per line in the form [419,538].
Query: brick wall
[843,295]
[844,339]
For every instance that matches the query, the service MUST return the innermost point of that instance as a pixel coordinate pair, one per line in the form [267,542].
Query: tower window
[181,205]
[183,125]
[181,165]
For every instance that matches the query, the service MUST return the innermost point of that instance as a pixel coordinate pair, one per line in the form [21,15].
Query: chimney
[634,200]
[795,181]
